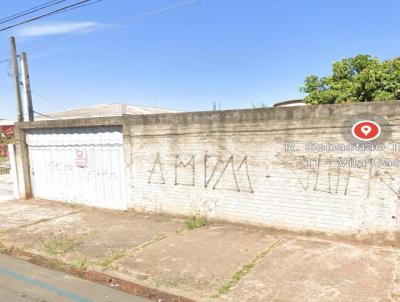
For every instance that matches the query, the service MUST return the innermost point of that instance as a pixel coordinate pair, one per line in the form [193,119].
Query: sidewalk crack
[131,252]
[42,221]
[244,270]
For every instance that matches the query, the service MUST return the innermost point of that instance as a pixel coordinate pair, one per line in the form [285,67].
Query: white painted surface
[235,167]
[13,171]
[58,173]
[6,187]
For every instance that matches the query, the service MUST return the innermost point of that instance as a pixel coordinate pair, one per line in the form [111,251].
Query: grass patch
[244,270]
[3,248]
[195,222]
[107,262]
[58,246]
[235,279]
[27,246]
[80,263]
[167,281]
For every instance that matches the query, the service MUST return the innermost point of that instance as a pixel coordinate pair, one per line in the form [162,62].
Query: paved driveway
[6,187]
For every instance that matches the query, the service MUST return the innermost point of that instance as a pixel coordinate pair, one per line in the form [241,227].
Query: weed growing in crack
[80,263]
[195,222]
[107,262]
[166,281]
[3,248]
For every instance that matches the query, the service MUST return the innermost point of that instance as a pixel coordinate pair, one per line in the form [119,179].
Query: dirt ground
[215,262]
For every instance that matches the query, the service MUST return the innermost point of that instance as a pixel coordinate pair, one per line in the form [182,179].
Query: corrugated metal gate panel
[80,165]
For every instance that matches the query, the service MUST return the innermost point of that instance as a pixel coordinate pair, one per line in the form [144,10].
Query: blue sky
[236,53]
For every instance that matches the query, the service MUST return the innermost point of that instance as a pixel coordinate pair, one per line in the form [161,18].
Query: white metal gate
[79,165]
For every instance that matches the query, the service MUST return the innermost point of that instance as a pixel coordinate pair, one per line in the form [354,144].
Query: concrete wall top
[81,122]
[232,116]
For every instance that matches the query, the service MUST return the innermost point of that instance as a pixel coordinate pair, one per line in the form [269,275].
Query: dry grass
[59,246]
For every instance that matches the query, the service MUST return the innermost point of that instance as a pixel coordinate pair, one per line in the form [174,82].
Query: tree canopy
[359,79]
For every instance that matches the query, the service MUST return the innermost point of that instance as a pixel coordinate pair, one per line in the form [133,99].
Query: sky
[238,54]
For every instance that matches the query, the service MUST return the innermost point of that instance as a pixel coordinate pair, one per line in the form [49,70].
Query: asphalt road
[21,281]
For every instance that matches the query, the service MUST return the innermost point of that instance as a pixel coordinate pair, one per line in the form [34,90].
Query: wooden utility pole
[26,84]
[14,62]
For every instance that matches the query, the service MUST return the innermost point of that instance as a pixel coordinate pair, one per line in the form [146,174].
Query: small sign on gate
[81,158]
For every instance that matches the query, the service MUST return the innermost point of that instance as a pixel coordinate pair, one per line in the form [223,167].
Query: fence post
[13,170]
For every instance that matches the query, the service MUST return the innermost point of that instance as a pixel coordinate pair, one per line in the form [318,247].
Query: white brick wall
[232,165]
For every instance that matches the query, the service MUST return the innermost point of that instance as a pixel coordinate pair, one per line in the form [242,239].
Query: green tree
[359,79]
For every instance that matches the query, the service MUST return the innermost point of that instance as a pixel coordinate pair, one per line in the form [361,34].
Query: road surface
[21,281]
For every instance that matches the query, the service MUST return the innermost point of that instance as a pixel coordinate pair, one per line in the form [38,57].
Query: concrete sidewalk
[215,262]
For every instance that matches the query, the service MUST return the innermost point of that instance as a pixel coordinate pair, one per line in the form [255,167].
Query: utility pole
[14,62]
[26,84]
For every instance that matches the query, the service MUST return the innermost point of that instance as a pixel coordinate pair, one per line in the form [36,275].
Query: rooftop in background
[290,103]
[103,110]
[4,122]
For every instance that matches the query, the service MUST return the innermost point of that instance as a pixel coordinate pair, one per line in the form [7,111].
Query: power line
[52,103]
[133,18]
[82,5]
[5,87]
[30,11]
[27,10]
[54,12]
[124,20]
[49,101]
[79,6]
[146,14]
[45,115]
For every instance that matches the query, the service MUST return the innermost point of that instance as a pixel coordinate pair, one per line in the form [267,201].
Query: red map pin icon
[366,130]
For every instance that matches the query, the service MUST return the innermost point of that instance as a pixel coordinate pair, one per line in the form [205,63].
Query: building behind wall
[6,136]
[102,110]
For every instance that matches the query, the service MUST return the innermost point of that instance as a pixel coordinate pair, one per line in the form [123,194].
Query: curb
[97,277]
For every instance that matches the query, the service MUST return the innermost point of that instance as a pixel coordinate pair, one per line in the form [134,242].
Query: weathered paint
[233,165]
[58,171]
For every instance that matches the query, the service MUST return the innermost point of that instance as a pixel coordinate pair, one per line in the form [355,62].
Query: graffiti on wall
[328,175]
[185,171]
[156,173]
[218,173]
[233,174]
[87,171]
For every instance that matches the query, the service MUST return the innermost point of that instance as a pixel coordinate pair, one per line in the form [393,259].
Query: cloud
[57,28]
